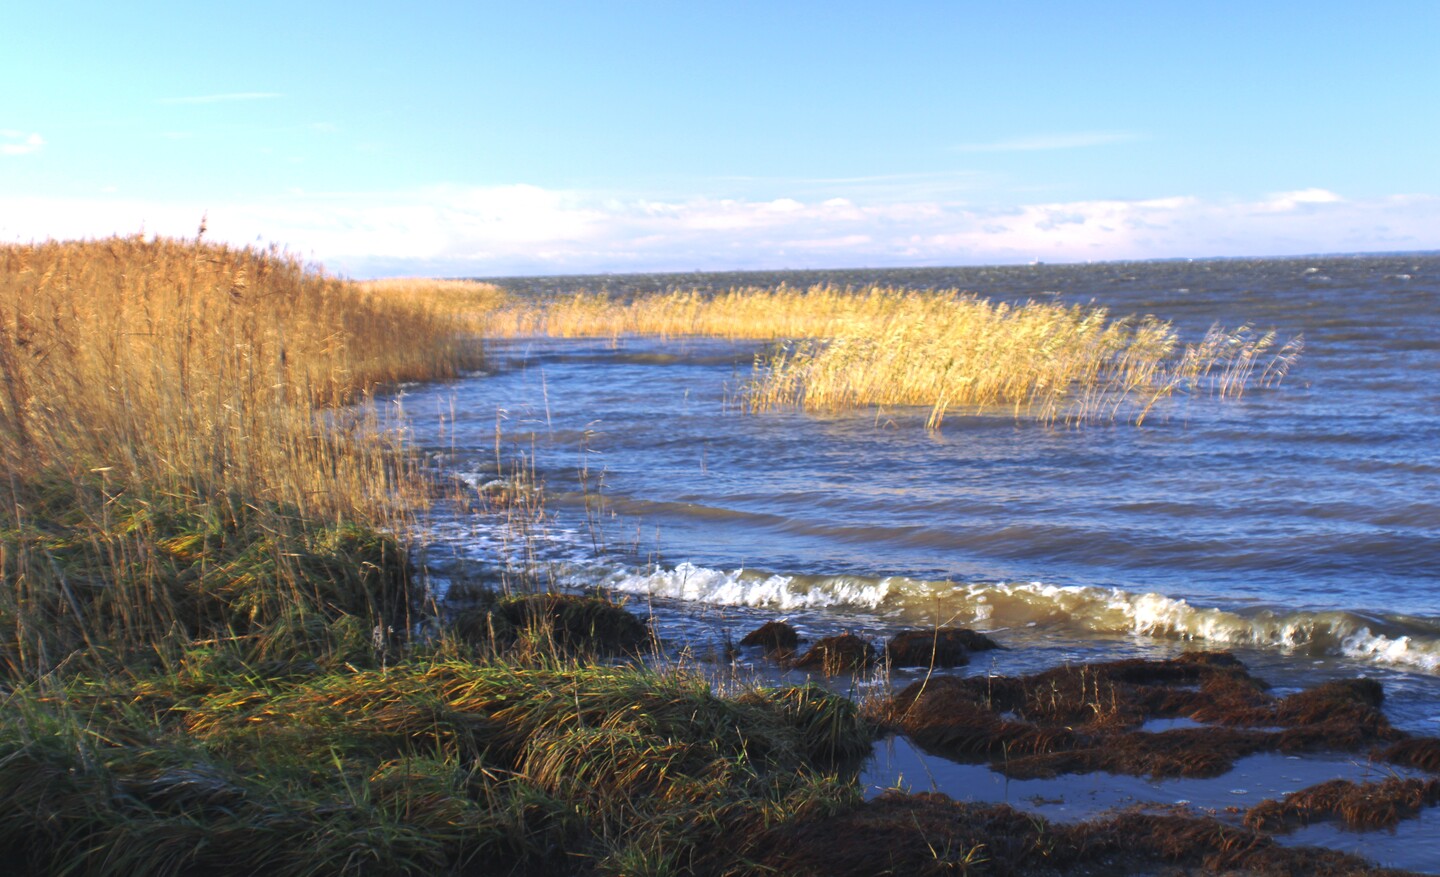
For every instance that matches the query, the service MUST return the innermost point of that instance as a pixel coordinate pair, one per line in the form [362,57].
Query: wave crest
[1397,641]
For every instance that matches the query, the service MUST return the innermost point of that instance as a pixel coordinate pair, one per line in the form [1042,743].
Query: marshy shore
[211,648]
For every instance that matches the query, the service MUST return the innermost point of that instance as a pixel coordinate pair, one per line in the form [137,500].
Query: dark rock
[945,647]
[838,654]
[773,636]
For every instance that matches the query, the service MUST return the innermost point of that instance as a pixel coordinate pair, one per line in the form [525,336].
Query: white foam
[1402,651]
[1002,604]
[739,588]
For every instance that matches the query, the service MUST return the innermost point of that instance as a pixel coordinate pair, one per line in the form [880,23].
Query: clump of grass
[1041,361]
[750,312]
[551,623]
[441,767]
[120,574]
[468,302]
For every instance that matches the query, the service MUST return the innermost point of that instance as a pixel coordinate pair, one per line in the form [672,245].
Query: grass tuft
[433,767]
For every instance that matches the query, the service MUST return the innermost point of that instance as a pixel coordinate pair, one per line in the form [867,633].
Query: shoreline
[209,659]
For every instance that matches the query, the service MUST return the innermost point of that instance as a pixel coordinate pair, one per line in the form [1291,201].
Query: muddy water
[1299,525]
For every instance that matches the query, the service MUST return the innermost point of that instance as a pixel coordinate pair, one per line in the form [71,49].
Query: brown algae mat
[1169,724]
[1098,718]
[1084,718]
[931,834]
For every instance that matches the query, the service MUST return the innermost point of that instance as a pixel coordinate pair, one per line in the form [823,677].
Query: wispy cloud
[520,229]
[221,98]
[1284,202]
[20,143]
[1076,140]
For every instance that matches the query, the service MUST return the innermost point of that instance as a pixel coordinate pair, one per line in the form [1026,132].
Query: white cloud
[1282,202]
[1076,140]
[497,230]
[20,143]
[221,98]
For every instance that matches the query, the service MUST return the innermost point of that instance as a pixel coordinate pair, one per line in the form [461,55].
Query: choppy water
[1300,524]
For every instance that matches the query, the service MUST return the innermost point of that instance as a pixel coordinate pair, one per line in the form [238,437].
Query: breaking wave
[1409,642]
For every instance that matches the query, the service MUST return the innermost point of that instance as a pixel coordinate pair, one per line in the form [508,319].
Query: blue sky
[502,138]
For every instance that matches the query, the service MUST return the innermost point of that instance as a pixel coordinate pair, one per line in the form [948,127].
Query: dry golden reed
[1045,361]
[938,350]
[468,302]
[176,462]
[751,312]
[164,362]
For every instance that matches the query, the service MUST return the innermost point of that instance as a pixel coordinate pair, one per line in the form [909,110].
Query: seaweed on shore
[931,834]
[1091,717]
[1418,752]
[1360,806]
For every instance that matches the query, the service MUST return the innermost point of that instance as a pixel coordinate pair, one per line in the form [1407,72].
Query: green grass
[120,576]
[434,767]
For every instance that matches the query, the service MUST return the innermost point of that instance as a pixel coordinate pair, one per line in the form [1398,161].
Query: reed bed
[205,652]
[938,350]
[751,313]
[177,466]
[468,302]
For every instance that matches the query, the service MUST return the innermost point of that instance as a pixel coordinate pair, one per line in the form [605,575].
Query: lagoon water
[1298,525]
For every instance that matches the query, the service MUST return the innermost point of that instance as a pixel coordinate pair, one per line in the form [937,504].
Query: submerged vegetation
[938,350]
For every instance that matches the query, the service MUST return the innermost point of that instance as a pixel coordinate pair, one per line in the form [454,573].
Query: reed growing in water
[937,350]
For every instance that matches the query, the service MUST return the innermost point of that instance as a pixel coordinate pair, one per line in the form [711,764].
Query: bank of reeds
[754,312]
[204,601]
[937,350]
[176,465]
[469,302]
